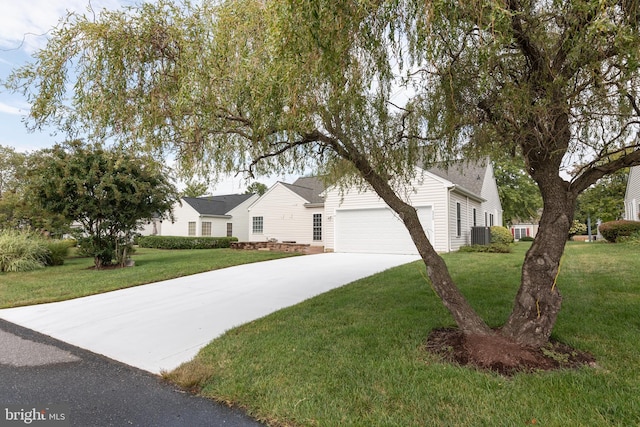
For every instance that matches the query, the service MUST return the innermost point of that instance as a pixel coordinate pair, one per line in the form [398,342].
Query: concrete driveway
[162,325]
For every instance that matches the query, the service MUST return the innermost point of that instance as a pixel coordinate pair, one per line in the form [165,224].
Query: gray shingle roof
[468,174]
[216,205]
[309,188]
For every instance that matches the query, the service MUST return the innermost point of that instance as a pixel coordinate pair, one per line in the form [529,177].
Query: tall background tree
[283,86]
[17,208]
[604,200]
[110,193]
[519,195]
[256,188]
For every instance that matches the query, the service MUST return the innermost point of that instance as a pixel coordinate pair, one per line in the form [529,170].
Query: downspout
[448,216]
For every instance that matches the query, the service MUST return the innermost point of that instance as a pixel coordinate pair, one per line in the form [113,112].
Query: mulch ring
[495,353]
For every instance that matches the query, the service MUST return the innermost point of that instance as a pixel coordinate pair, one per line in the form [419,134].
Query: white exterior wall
[466,217]
[492,204]
[632,195]
[285,217]
[183,214]
[428,190]
[240,219]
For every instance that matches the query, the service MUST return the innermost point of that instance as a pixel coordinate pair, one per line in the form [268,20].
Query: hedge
[179,242]
[613,230]
[494,248]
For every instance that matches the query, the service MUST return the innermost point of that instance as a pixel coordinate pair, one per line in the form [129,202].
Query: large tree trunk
[538,300]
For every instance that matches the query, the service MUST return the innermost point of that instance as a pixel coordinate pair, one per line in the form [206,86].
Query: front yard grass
[354,356]
[76,278]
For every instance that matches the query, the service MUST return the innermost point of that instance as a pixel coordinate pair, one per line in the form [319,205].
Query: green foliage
[177,242]
[256,188]
[22,251]
[17,207]
[494,248]
[604,200]
[633,239]
[110,193]
[527,239]
[195,189]
[57,251]
[613,231]
[501,235]
[519,194]
[577,228]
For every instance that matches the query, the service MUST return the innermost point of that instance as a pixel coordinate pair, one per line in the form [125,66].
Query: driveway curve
[159,326]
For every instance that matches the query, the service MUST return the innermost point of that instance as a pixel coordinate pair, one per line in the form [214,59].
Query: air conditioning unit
[480,235]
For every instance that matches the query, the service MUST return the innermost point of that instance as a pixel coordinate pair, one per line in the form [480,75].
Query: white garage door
[377,231]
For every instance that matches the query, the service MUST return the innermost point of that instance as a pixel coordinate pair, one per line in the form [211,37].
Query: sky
[24,28]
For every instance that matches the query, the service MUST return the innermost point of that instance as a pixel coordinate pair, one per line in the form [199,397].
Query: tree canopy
[365,90]
[109,193]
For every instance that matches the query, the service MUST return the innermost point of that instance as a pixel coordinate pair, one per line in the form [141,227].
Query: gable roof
[309,188]
[468,174]
[216,205]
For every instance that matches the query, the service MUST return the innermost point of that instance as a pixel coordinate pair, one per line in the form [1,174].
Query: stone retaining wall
[278,247]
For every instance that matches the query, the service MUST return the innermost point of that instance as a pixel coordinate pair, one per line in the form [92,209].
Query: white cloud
[8,109]
[26,26]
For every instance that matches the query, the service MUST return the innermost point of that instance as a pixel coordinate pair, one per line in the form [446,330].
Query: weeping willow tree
[362,91]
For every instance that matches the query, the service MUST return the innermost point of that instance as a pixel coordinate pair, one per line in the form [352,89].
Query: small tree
[256,188]
[109,193]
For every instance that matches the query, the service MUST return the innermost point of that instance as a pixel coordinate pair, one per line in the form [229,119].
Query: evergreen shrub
[613,231]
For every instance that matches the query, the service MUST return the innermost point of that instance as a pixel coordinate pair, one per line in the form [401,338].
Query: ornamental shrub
[58,250]
[613,231]
[21,251]
[577,228]
[178,242]
[501,235]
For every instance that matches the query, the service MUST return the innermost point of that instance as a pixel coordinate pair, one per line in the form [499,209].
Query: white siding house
[632,195]
[215,216]
[449,202]
[292,213]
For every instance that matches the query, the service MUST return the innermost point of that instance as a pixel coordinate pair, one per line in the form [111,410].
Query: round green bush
[613,231]
[58,251]
[501,235]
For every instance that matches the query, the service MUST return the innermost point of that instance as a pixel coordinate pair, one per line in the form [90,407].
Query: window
[229,229]
[486,219]
[490,220]
[520,232]
[475,219]
[317,227]
[206,228]
[258,224]
[458,220]
[192,228]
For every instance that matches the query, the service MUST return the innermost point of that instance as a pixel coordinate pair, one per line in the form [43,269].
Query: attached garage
[377,230]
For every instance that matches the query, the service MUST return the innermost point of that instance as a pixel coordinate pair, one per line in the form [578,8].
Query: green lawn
[354,357]
[76,278]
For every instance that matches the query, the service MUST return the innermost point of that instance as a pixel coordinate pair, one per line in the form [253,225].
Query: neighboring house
[632,195]
[524,229]
[215,216]
[289,213]
[449,202]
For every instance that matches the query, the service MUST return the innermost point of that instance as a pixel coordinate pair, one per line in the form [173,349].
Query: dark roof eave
[314,205]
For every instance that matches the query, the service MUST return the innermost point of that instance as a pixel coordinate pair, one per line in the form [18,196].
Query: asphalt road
[39,370]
